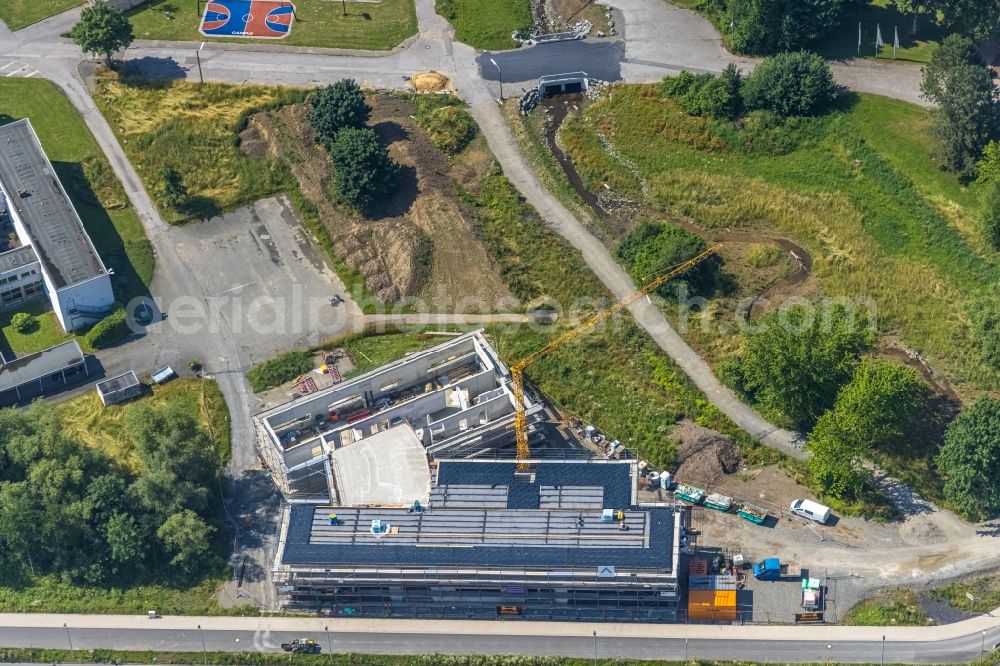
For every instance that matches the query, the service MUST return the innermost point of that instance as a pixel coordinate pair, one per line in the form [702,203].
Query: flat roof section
[21,256]
[549,485]
[40,364]
[389,467]
[119,383]
[479,538]
[53,225]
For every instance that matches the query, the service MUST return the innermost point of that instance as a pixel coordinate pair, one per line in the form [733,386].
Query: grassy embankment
[896,607]
[86,420]
[20,13]
[95,191]
[370,26]
[858,189]
[486,24]
[985,591]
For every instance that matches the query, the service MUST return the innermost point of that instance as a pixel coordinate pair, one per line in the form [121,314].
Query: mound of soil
[421,242]
[705,455]
[430,81]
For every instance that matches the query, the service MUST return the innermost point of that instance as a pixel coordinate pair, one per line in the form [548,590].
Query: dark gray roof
[551,479]
[53,226]
[119,383]
[40,364]
[487,538]
[21,256]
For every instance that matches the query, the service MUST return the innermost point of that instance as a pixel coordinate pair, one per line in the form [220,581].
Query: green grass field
[195,130]
[857,188]
[896,607]
[371,26]
[20,13]
[486,24]
[85,172]
[44,334]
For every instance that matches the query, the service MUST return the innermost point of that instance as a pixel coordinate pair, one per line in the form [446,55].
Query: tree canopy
[362,170]
[970,457]
[68,509]
[990,221]
[653,247]
[967,113]
[102,30]
[799,83]
[984,315]
[339,105]
[798,358]
[763,27]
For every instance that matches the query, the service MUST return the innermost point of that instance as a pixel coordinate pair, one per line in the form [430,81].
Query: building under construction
[452,400]
[552,540]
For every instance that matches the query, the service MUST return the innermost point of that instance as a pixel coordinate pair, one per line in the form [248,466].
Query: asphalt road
[492,642]
[600,60]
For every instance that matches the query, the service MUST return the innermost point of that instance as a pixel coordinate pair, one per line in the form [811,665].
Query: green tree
[988,168]
[362,170]
[966,116]
[984,315]
[797,359]
[990,220]
[970,457]
[335,107]
[180,464]
[126,540]
[653,247]
[187,539]
[102,30]
[22,322]
[880,404]
[170,186]
[763,27]
[837,457]
[790,84]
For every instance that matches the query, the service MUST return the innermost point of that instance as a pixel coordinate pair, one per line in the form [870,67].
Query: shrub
[990,220]
[988,168]
[652,247]
[791,84]
[278,370]
[450,128]
[984,315]
[969,458]
[22,322]
[707,95]
[362,170]
[109,331]
[760,255]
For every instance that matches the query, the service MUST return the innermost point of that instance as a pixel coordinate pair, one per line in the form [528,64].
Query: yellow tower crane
[517,369]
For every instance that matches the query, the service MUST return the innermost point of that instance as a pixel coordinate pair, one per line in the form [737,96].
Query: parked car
[812,510]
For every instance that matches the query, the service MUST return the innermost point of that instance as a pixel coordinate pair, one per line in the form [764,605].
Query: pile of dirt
[430,82]
[705,456]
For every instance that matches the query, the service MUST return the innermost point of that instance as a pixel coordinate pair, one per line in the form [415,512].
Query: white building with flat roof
[53,254]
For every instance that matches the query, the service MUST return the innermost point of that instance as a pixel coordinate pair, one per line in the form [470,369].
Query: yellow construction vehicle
[517,369]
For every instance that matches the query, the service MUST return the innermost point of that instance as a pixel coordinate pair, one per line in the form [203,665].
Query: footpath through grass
[87,176]
[370,26]
[195,129]
[20,13]
[487,24]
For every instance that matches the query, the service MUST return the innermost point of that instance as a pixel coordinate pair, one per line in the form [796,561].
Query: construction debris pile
[529,101]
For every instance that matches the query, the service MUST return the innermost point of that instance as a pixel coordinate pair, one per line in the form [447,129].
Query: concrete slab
[388,468]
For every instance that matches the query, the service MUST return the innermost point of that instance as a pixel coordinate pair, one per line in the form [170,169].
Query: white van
[811,510]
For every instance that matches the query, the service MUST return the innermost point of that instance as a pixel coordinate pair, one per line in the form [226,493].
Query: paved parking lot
[264,280]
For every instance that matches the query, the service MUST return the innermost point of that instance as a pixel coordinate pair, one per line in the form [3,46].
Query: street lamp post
[500,75]
[595,642]
[70,638]
[685,648]
[329,641]
[982,648]
[883,649]
[202,635]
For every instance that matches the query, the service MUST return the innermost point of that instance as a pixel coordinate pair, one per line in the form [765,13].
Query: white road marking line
[8,65]
[31,74]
